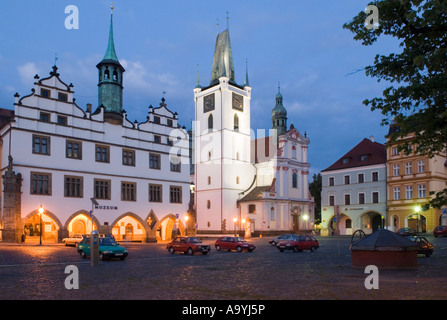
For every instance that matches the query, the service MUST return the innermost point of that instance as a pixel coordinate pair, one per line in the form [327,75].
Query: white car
[73,240]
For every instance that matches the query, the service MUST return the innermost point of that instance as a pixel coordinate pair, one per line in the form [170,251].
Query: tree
[416,100]
[315,188]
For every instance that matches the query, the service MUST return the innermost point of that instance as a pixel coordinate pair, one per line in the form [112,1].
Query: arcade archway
[129,228]
[45,226]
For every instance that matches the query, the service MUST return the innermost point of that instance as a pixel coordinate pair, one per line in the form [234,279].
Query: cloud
[27,72]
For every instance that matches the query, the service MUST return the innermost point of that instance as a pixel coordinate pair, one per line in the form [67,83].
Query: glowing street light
[40,210]
[186,223]
[417,209]
[235,220]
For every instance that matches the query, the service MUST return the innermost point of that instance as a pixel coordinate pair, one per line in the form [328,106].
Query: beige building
[410,180]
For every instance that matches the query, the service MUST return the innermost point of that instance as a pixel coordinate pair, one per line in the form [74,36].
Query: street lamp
[186,223]
[40,210]
[235,220]
[417,209]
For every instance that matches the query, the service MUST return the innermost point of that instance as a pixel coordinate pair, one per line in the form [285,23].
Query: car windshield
[194,240]
[107,242]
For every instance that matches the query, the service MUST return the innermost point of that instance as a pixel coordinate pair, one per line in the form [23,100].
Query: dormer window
[363,157]
[45,93]
[345,160]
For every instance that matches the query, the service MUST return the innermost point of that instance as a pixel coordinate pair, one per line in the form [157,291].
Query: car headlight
[107,251]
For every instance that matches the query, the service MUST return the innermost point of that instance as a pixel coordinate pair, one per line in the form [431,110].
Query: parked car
[108,248]
[282,237]
[407,232]
[73,240]
[425,246]
[234,243]
[440,231]
[187,245]
[298,244]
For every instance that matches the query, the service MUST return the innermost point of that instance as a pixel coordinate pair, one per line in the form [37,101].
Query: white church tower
[222,143]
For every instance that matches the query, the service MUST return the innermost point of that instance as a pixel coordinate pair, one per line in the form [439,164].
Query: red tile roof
[365,153]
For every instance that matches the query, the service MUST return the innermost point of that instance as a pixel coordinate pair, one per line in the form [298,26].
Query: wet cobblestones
[150,272]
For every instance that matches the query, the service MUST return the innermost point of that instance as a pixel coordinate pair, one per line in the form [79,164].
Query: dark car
[282,237]
[187,245]
[234,243]
[298,244]
[440,231]
[108,249]
[425,247]
[407,232]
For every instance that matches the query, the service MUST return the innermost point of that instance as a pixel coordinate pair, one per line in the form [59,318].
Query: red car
[233,243]
[299,243]
[440,231]
[187,245]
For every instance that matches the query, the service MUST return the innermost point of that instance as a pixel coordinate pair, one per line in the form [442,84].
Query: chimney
[371,138]
[89,107]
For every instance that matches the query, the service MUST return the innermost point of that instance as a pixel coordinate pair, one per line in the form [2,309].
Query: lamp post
[417,209]
[186,225]
[94,203]
[305,218]
[235,220]
[40,215]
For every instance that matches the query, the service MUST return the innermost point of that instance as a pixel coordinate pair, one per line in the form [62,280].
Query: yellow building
[410,180]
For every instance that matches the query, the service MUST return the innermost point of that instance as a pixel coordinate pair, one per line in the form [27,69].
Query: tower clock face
[238,102]
[208,103]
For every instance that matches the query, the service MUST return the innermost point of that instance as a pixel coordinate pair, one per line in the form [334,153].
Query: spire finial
[111,8]
[198,80]
[279,87]
[246,73]
[55,58]
[228,24]
[217,25]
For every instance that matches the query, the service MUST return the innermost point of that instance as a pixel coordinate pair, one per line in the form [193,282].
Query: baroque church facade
[246,185]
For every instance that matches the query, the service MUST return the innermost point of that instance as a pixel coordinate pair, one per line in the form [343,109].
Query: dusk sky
[300,44]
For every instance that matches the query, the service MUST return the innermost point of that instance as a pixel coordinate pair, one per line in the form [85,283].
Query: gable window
[62,97]
[62,120]
[154,161]
[73,150]
[251,208]
[128,157]
[169,123]
[345,160]
[157,139]
[41,145]
[156,120]
[44,117]
[45,93]
[102,154]
[363,157]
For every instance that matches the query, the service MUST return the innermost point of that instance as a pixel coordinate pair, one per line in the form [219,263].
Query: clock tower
[222,143]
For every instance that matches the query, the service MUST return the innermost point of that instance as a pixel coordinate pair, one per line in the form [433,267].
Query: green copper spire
[247,83]
[110,52]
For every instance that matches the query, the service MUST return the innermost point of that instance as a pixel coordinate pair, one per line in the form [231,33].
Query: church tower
[222,143]
[279,116]
[110,85]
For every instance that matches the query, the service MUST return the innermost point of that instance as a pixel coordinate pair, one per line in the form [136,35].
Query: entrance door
[377,222]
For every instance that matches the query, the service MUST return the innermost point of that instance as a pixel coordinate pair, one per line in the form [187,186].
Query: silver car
[73,240]
[288,236]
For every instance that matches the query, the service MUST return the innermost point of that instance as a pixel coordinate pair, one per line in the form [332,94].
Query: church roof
[366,153]
[223,58]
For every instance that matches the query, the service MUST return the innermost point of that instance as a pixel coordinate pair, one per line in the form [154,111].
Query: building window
[294,180]
[44,117]
[361,178]
[102,189]
[421,191]
[361,198]
[208,204]
[237,180]
[169,123]
[45,93]
[347,199]
[409,192]
[347,179]
[62,97]
[375,197]
[209,180]
[408,168]
[41,145]
[236,122]
[128,157]
[157,139]
[396,170]
[102,153]
[421,166]
[73,150]
[375,176]
[293,152]
[396,193]
[251,208]
[41,183]
[73,186]
[272,213]
[128,191]
[175,194]
[331,200]
[395,152]
[155,193]
[154,161]
[348,223]
[331,181]
[363,157]
[62,120]
[210,122]
[176,164]
[345,161]
[156,120]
